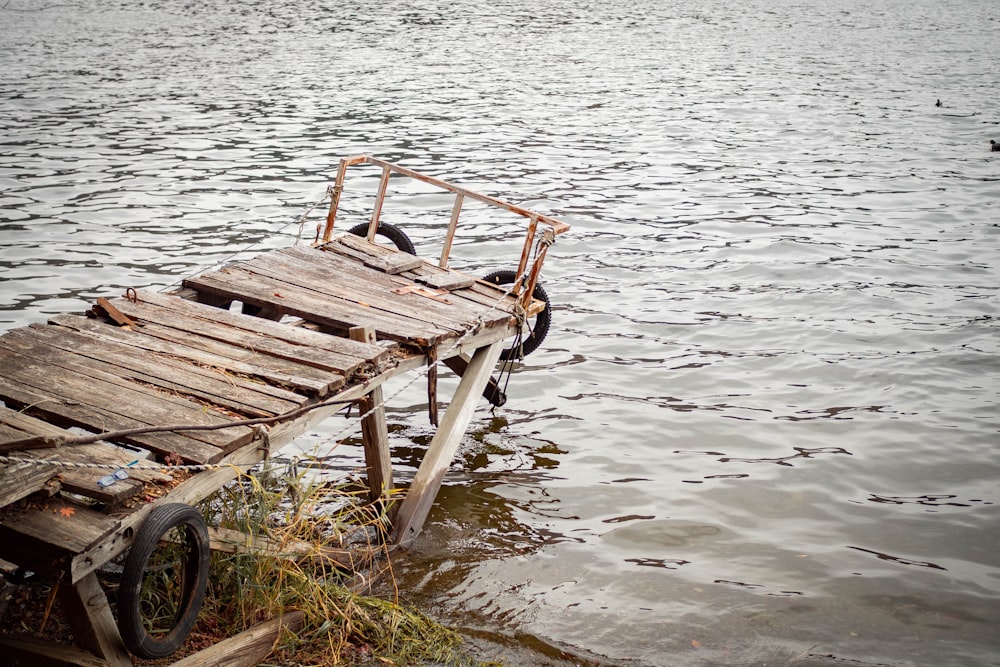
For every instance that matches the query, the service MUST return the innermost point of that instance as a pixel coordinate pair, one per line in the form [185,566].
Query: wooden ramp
[196,385]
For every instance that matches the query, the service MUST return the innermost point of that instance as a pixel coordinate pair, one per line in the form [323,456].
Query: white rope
[300,222]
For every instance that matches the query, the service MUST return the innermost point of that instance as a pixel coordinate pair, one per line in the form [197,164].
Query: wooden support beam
[415,508]
[492,393]
[28,651]
[86,609]
[374,431]
[247,648]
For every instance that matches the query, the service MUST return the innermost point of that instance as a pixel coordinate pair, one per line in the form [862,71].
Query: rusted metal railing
[527,277]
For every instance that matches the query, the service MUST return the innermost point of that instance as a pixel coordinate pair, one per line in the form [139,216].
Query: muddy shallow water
[764,426]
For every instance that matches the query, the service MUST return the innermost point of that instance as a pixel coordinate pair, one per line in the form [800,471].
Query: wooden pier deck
[220,373]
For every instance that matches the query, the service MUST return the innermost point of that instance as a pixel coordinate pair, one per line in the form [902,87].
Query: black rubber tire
[194,579]
[540,326]
[391,232]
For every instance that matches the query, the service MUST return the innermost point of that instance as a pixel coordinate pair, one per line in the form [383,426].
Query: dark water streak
[764,427]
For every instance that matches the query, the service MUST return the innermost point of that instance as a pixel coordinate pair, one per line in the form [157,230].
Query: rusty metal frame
[527,277]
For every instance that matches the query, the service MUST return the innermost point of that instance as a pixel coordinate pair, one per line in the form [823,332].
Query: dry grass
[309,531]
[304,521]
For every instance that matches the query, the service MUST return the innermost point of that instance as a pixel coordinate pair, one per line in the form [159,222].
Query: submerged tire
[391,232]
[538,326]
[192,578]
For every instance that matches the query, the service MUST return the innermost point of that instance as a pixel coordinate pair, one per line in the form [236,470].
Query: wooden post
[417,505]
[86,609]
[452,225]
[374,431]
[383,185]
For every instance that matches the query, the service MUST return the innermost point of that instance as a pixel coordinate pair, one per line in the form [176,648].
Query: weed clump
[286,542]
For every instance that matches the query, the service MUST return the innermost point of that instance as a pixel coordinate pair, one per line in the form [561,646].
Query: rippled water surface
[764,428]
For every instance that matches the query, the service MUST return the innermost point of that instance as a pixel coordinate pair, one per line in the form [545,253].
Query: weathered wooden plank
[89,616]
[281,378]
[20,480]
[393,264]
[492,393]
[324,381]
[352,284]
[255,342]
[354,280]
[426,483]
[359,247]
[31,652]
[324,309]
[279,331]
[17,386]
[71,413]
[87,385]
[247,648]
[375,436]
[46,537]
[351,245]
[372,291]
[49,343]
[450,281]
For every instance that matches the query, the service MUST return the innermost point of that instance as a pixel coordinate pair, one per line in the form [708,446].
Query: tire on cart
[390,232]
[536,328]
[163,585]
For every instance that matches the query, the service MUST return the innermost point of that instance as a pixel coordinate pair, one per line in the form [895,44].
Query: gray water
[764,427]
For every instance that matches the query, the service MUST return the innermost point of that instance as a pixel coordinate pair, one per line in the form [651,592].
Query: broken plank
[48,535]
[450,281]
[310,306]
[20,480]
[393,264]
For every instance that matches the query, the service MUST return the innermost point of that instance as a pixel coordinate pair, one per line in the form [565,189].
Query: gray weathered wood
[356,281]
[374,434]
[320,302]
[450,281]
[251,399]
[292,334]
[284,376]
[89,616]
[414,509]
[247,648]
[31,652]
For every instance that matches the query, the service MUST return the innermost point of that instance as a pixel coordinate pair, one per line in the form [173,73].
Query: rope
[259,431]
[475,328]
[300,222]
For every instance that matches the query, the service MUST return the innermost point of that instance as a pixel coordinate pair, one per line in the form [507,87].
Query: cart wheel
[535,329]
[391,232]
[163,585]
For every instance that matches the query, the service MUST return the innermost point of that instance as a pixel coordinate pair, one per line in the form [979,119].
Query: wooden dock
[218,374]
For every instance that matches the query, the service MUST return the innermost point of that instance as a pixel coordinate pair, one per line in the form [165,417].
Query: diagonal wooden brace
[417,504]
